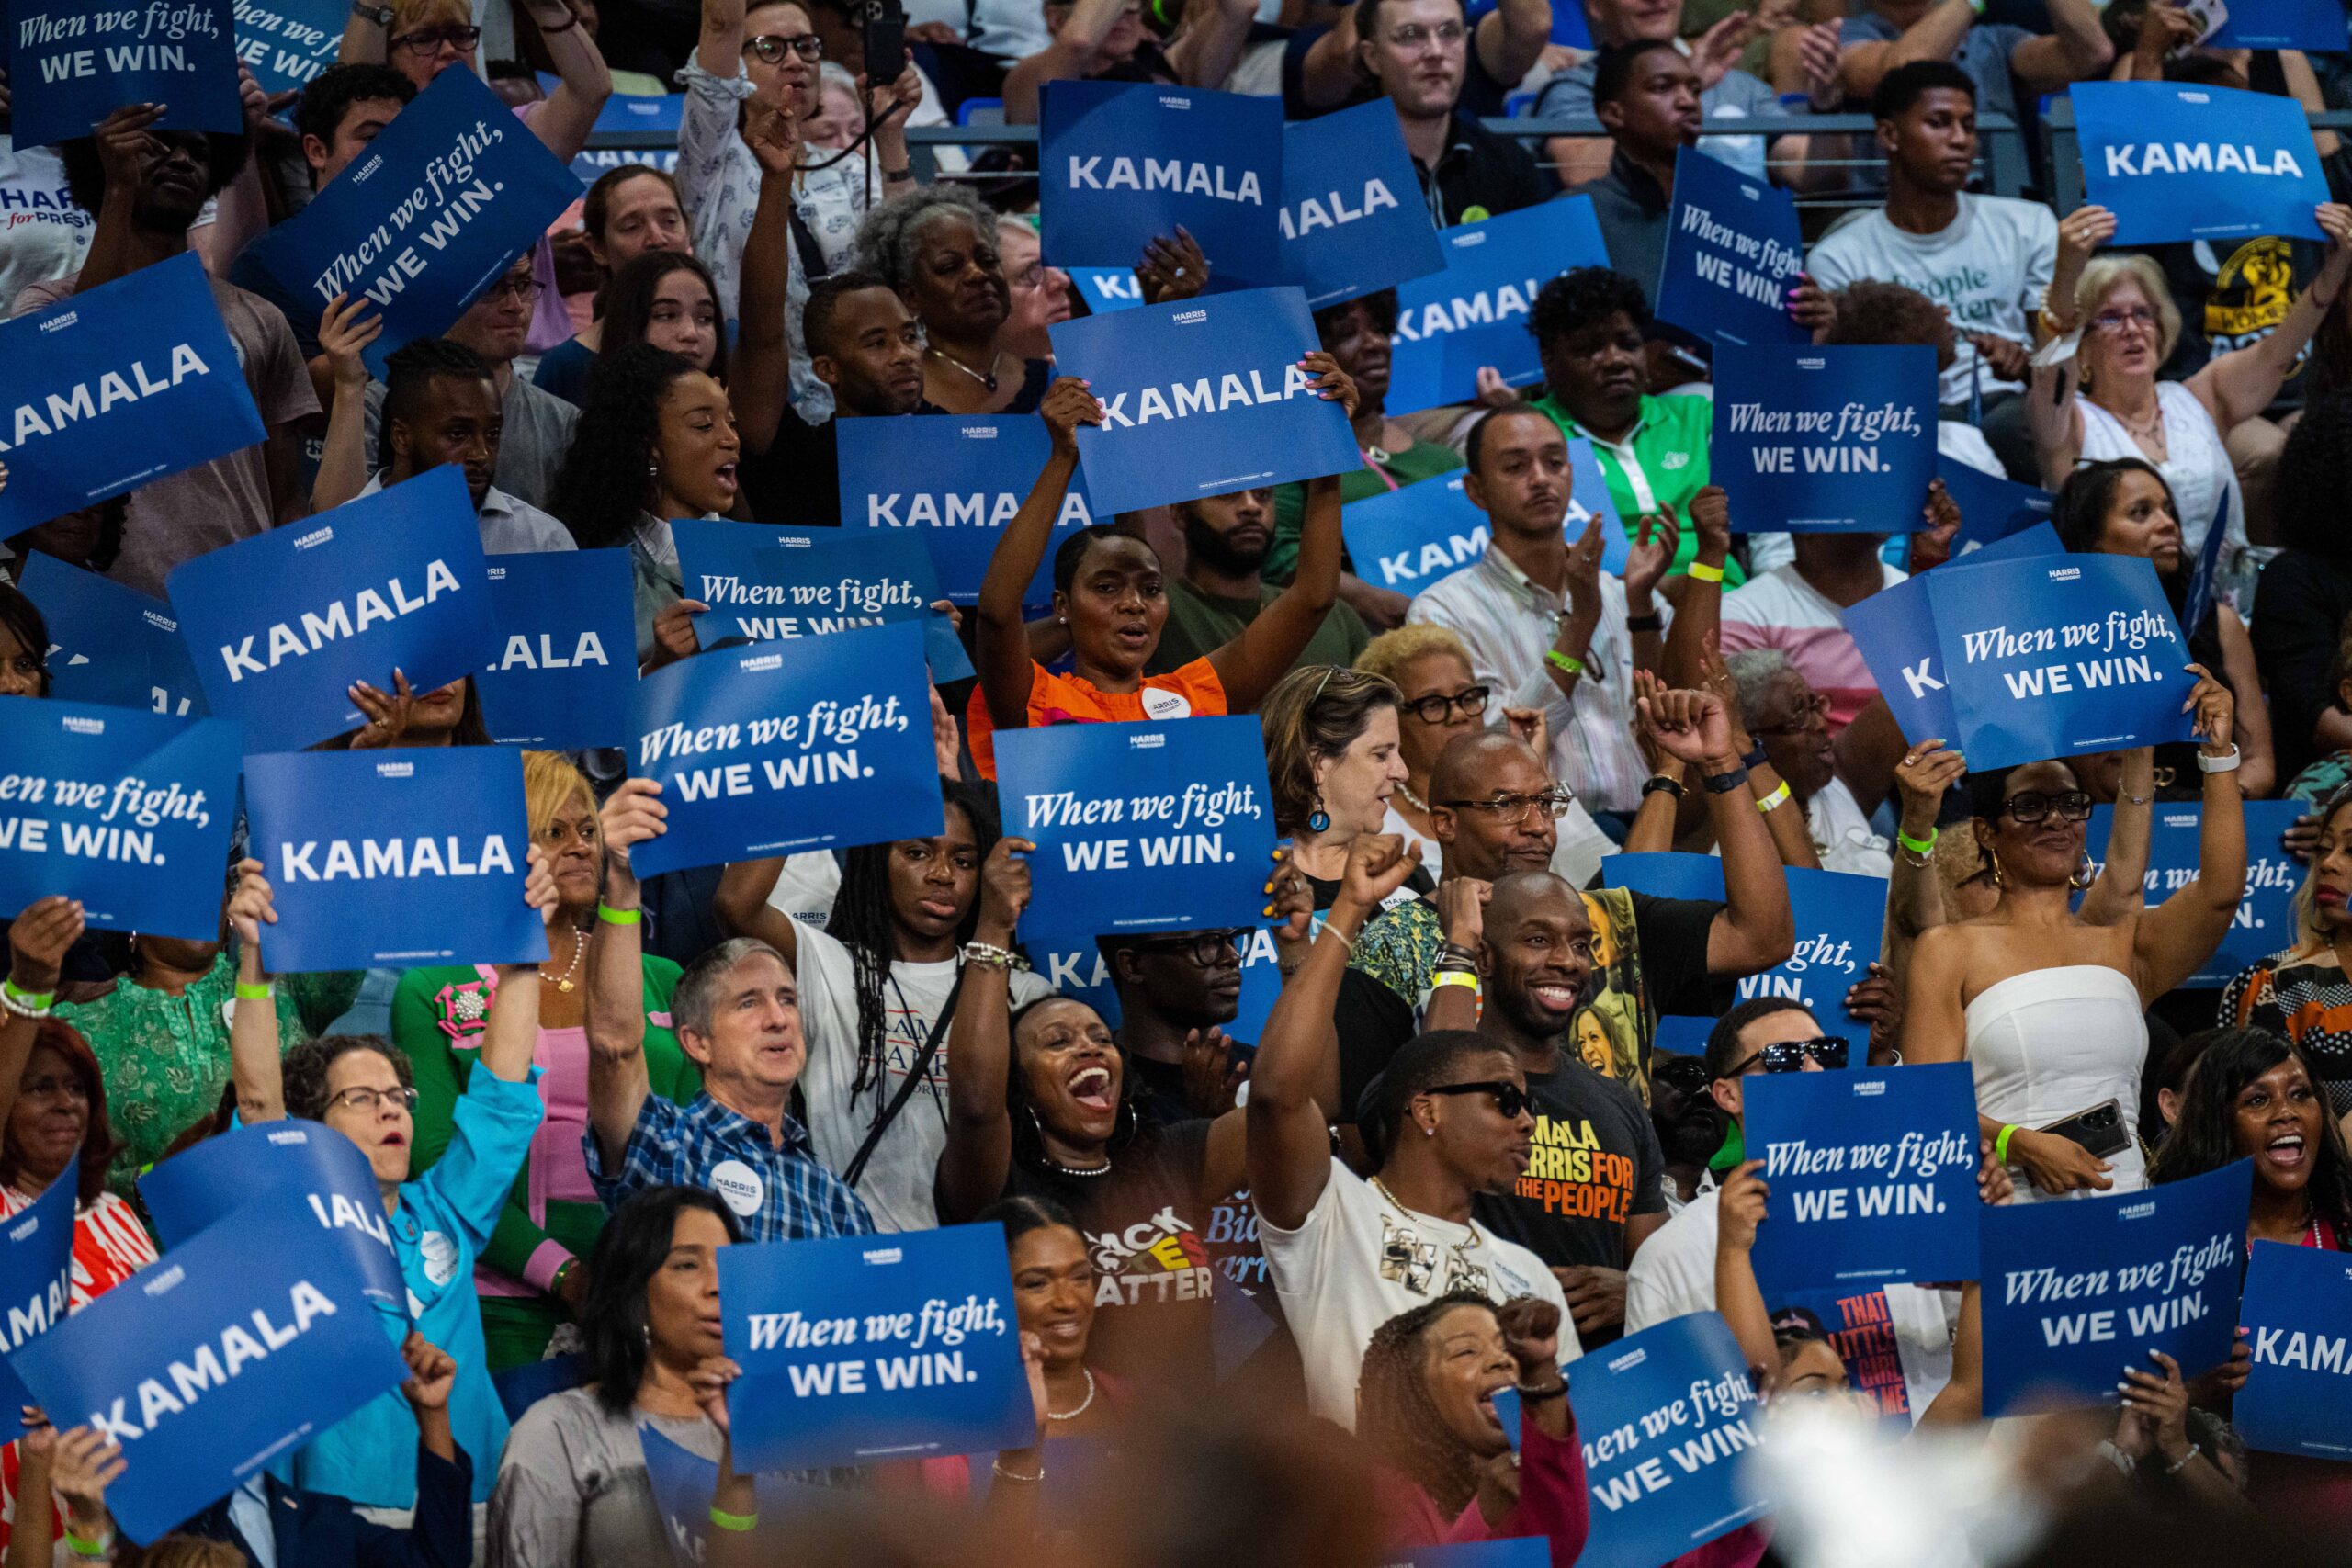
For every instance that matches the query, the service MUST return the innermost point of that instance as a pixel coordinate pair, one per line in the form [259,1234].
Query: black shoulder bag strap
[923,1059]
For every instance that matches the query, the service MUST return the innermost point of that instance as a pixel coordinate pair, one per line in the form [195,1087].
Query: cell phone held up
[2100,1130]
[882,26]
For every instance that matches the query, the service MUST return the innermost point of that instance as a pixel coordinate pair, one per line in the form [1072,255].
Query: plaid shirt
[780,1193]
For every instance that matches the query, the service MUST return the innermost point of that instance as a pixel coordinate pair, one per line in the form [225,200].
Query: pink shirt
[1782,612]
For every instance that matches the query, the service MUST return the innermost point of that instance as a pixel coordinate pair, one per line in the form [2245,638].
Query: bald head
[1465,768]
[1521,893]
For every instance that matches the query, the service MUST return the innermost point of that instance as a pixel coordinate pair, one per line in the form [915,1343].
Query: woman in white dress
[2049,1008]
[2105,402]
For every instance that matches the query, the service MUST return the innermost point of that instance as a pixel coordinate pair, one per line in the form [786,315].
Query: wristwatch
[380,14]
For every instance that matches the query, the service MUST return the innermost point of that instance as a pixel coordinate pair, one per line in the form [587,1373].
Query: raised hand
[1710,515]
[674,637]
[1173,268]
[344,332]
[387,714]
[1532,1333]
[1876,1000]
[1924,776]
[1692,726]
[1004,890]
[947,741]
[2006,359]
[771,132]
[1212,1077]
[38,941]
[1655,543]
[432,1373]
[2215,706]
[84,1462]
[125,148]
[538,883]
[1811,306]
[630,815]
[1290,898]
[1931,547]
[1332,383]
[1742,1207]
[1461,909]
[709,1380]
[1069,402]
[1378,865]
[252,903]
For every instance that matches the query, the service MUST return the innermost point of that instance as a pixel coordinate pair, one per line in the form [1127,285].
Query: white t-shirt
[807,887]
[1674,1275]
[43,235]
[1989,268]
[896,1184]
[1359,1260]
[1842,835]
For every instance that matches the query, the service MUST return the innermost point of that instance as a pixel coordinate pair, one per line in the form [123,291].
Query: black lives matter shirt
[1596,1164]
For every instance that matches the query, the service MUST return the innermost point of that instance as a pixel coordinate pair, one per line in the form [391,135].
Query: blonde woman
[2105,400]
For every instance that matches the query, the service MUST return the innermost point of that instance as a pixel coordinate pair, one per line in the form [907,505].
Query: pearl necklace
[1083,1405]
[1415,801]
[563,982]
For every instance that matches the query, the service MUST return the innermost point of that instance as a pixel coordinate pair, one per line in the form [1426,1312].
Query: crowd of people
[1460,1152]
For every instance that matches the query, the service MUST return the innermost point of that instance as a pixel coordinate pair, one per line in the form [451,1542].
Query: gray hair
[886,239]
[696,999]
[1753,672]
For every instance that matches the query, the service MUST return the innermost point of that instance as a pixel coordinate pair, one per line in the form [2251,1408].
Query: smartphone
[2100,1130]
[1505,1402]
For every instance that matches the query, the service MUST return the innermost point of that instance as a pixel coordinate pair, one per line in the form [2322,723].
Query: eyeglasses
[1814,706]
[2138,316]
[367,1100]
[1413,36]
[770,46]
[430,39]
[524,290]
[1435,707]
[1788,1055]
[1554,804]
[1509,1099]
[2032,807]
[1206,949]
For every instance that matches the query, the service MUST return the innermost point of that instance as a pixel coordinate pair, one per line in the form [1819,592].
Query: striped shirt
[1508,623]
[778,1190]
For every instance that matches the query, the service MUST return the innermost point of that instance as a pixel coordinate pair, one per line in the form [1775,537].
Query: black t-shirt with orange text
[1595,1166]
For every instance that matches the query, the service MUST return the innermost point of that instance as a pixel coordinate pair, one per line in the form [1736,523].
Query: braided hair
[1396,1414]
[862,923]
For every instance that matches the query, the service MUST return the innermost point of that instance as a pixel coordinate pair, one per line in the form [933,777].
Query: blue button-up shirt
[777,1190]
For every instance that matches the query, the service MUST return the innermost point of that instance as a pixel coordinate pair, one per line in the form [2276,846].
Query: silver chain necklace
[1083,1405]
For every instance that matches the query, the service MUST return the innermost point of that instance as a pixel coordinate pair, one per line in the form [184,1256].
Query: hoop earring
[1319,820]
[1994,860]
[2085,874]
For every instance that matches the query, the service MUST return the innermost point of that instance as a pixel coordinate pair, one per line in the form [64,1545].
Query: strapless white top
[2049,1042]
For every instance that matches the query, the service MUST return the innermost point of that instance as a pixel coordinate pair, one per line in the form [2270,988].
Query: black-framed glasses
[1829,1051]
[1509,1099]
[1435,707]
[1206,949]
[1552,803]
[424,40]
[2030,806]
[367,1100]
[772,47]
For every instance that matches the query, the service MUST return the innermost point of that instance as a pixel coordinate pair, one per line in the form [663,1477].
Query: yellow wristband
[260,993]
[1772,802]
[613,916]
[1705,573]
[2001,1146]
[1454,977]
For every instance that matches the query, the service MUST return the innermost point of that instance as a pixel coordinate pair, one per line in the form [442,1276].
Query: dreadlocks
[862,923]
[1396,1414]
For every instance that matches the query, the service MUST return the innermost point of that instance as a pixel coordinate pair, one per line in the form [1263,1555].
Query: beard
[1213,549]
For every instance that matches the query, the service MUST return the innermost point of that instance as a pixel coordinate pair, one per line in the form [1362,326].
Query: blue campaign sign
[1122,164]
[764,750]
[956,480]
[1732,253]
[2298,1305]
[1140,826]
[394,859]
[282,625]
[250,1339]
[1511,1551]
[1352,217]
[683,1483]
[867,1346]
[323,1171]
[1895,631]
[2282,24]
[1872,1175]
[36,1288]
[1841,919]
[72,63]
[445,199]
[1991,508]
[2073,1289]
[1422,533]
[2055,657]
[2265,918]
[1107,287]
[128,812]
[103,392]
[1474,314]
[108,643]
[772,584]
[566,665]
[2173,162]
[2201,578]
[1664,1416]
[286,43]
[1838,439]
[1202,397]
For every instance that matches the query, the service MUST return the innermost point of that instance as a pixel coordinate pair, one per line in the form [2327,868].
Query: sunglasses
[1509,1099]
[1788,1055]
[772,47]
[2032,807]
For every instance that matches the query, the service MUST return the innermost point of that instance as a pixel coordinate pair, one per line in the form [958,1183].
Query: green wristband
[1568,661]
[1913,845]
[613,916]
[738,1523]
[2001,1144]
[31,998]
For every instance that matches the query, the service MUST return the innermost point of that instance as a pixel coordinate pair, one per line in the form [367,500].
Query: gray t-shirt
[1737,96]
[572,1491]
[1983,54]
[538,433]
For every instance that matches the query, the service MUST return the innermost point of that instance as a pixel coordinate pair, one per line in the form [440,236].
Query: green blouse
[1421,460]
[166,1058]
